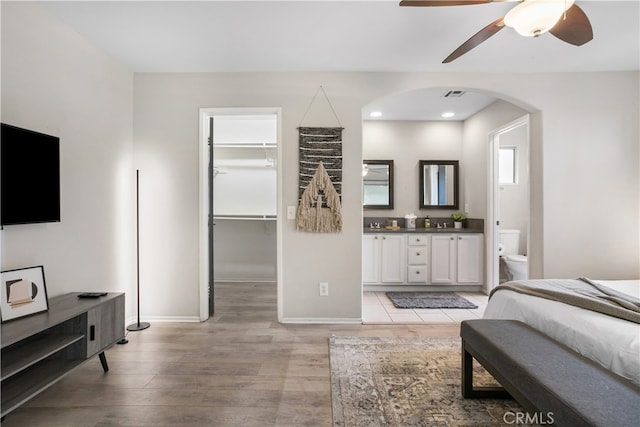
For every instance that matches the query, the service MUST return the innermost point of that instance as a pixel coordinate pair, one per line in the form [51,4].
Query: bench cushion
[545,375]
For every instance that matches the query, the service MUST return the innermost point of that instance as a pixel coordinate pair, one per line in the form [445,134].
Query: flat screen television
[29,176]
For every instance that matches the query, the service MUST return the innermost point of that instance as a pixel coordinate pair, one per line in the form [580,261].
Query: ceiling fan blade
[476,39]
[442,2]
[575,29]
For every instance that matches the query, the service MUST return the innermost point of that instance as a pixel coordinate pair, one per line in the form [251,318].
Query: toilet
[508,250]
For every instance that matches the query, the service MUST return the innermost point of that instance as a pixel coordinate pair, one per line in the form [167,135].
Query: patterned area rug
[407,382]
[429,300]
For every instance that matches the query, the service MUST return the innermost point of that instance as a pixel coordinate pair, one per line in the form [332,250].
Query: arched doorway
[409,127]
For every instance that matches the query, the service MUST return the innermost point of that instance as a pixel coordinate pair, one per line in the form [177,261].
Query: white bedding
[612,342]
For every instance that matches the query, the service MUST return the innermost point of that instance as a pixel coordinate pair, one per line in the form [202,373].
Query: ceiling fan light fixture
[534,17]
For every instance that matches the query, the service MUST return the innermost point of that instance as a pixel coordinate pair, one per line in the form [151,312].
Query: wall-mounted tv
[29,176]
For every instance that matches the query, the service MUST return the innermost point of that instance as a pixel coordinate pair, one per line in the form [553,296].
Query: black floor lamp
[140,325]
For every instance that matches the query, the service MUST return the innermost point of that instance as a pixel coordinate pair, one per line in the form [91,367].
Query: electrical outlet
[324,289]
[291,212]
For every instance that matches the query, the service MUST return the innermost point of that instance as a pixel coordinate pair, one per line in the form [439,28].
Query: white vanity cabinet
[418,258]
[437,258]
[383,258]
[371,258]
[456,259]
[469,259]
[443,257]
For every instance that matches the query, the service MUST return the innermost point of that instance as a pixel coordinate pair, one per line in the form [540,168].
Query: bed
[610,341]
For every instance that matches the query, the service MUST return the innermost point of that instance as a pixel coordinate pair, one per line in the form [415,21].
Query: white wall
[54,82]
[406,143]
[476,139]
[581,122]
[476,143]
[166,133]
[166,142]
[590,172]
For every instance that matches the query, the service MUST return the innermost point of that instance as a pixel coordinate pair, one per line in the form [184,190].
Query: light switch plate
[291,212]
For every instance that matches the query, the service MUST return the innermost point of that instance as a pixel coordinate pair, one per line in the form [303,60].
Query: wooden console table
[39,350]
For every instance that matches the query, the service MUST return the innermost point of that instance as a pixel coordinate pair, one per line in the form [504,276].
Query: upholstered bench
[545,377]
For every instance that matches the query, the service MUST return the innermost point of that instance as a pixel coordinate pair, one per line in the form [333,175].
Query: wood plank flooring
[240,368]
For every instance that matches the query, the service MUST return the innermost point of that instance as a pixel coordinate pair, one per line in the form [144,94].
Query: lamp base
[138,326]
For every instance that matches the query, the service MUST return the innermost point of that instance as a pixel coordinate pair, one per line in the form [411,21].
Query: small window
[507,165]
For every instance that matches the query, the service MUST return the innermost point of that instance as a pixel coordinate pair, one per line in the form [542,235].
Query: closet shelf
[245,145]
[244,163]
[247,217]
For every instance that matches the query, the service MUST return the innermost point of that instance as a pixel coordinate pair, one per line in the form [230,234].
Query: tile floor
[377,308]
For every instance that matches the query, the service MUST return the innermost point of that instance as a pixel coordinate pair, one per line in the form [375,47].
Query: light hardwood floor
[240,368]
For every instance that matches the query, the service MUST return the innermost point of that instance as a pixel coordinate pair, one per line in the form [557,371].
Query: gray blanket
[582,293]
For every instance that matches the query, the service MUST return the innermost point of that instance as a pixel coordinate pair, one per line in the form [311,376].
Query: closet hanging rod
[244,163]
[247,217]
[246,145]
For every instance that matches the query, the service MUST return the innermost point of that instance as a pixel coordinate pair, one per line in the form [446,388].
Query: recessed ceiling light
[375,114]
[448,114]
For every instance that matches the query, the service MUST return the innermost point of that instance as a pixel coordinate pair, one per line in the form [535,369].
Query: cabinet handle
[451,238]
[459,238]
[92,333]
[417,272]
[384,238]
[376,237]
[417,240]
[417,253]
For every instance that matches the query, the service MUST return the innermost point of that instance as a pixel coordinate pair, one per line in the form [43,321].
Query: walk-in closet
[245,197]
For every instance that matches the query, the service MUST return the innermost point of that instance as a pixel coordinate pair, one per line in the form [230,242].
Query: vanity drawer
[418,240]
[417,274]
[417,255]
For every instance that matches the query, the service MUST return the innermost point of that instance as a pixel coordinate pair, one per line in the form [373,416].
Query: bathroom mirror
[438,184]
[377,184]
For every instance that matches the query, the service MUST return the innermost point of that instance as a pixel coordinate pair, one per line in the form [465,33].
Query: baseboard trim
[194,319]
[163,319]
[321,320]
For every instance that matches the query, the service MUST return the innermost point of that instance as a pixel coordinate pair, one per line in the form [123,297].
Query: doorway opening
[240,230]
[508,207]
[416,120]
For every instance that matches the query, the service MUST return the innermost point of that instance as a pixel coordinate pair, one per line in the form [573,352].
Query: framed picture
[22,292]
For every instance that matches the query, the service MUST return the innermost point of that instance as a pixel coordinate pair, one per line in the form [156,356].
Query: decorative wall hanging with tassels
[319,209]
[320,179]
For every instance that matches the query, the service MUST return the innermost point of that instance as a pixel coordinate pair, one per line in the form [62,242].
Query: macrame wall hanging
[320,177]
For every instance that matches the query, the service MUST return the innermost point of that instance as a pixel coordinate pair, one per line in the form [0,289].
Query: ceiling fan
[531,18]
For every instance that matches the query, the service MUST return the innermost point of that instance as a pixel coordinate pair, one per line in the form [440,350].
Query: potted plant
[458,217]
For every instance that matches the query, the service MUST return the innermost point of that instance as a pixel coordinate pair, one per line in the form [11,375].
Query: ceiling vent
[453,94]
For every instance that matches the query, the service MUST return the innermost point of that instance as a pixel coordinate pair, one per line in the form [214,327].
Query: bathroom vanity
[422,257]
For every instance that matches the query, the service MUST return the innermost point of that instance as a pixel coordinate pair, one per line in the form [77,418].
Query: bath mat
[429,300]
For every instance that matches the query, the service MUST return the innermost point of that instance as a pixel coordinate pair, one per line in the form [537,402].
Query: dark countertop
[434,230]
[471,225]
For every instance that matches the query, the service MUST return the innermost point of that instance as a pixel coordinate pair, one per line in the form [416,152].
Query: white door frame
[203,233]
[493,205]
